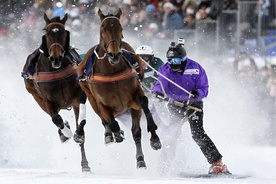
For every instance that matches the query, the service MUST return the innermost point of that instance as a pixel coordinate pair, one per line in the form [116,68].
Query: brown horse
[54,85]
[113,87]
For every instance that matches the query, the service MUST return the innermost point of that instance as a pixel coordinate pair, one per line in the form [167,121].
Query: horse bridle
[55,44]
[105,46]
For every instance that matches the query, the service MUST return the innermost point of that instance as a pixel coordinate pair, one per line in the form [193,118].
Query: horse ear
[64,18]
[47,20]
[67,43]
[100,14]
[118,15]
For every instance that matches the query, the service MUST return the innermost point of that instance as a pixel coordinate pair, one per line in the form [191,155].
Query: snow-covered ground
[30,150]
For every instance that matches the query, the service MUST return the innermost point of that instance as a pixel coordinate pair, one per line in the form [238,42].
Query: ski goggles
[176,61]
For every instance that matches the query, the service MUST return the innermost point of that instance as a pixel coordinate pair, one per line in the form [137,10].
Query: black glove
[161,96]
[195,93]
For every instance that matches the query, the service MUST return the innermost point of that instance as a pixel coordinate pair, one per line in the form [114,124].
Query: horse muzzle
[56,61]
[114,58]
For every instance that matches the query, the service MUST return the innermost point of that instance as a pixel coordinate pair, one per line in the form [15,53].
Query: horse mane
[55,19]
[110,15]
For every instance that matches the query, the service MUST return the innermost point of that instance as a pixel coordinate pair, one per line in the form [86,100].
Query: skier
[192,77]
[146,53]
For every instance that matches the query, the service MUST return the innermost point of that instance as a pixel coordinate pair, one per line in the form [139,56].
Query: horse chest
[58,92]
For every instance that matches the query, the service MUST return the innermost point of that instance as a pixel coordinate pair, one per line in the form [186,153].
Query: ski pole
[183,89]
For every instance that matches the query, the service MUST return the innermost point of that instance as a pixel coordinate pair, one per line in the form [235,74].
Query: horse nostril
[119,54]
[52,58]
[59,58]
[110,55]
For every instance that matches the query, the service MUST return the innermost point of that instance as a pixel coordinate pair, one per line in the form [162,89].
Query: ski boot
[218,168]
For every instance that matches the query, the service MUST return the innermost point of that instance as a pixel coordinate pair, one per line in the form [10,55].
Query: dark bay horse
[54,85]
[113,87]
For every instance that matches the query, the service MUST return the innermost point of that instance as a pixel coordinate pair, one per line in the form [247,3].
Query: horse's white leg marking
[66,131]
[82,113]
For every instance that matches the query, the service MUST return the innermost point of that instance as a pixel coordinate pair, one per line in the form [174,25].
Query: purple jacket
[193,78]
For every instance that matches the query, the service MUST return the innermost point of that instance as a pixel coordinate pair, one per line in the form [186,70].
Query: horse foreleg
[80,116]
[108,135]
[31,89]
[115,128]
[64,129]
[84,162]
[136,133]
[151,126]
[110,123]
[79,136]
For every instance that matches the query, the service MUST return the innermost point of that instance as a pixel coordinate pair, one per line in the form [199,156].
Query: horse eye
[55,30]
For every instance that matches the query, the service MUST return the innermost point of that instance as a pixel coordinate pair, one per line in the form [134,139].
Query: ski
[233,176]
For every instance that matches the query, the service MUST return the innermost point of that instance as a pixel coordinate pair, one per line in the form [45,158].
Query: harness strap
[56,75]
[125,74]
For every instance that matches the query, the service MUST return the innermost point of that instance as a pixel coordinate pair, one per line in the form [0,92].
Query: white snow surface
[31,152]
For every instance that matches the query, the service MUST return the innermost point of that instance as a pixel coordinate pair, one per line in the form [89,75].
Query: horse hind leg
[108,135]
[113,131]
[151,126]
[115,128]
[136,133]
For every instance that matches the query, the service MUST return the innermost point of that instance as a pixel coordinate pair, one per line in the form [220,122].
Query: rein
[56,75]
[177,103]
[183,89]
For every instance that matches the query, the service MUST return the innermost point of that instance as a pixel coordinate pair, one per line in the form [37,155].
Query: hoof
[86,169]
[66,130]
[63,139]
[141,165]
[155,144]
[119,137]
[108,139]
[80,139]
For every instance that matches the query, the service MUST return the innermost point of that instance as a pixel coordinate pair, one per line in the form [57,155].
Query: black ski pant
[206,145]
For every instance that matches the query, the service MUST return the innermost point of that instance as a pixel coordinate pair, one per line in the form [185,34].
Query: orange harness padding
[56,75]
[125,74]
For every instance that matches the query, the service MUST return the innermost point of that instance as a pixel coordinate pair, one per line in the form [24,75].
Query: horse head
[56,41]
[111,36]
